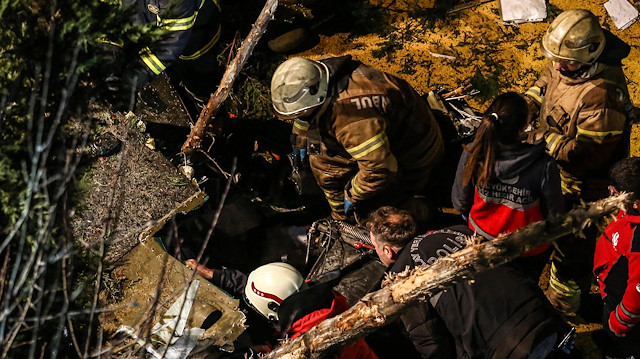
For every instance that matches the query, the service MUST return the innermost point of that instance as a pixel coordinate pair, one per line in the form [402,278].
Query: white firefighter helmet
[269,285]
[298,86]
[574,36]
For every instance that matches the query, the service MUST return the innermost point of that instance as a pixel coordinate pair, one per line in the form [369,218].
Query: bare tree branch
[379,308]
[194,140]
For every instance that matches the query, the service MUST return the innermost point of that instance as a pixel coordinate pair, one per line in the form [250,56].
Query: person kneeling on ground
[278,292]
[616,266]
[501,313]
[369,137]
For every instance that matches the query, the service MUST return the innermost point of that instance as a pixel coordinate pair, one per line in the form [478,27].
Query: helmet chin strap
[577,73]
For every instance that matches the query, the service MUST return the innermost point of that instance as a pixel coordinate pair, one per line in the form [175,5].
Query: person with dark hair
[503,183]
[582,112]
[616,266]
[499,314]
[392,226]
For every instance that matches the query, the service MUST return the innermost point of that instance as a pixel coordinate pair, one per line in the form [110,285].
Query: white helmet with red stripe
[269,285]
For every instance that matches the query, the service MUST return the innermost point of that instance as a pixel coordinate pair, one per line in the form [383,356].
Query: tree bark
[194,140]
[403,289]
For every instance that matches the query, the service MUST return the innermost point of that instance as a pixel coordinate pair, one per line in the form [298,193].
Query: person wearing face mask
[584,116]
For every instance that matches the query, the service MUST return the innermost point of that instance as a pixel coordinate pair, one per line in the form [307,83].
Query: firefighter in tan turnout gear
[369,137]
[584,118]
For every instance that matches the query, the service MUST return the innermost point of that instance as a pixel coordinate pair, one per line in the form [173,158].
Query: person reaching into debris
[279,293]
[584,120]
[616,266]
[192,29]
[501,313]
[503,183]
[368,136]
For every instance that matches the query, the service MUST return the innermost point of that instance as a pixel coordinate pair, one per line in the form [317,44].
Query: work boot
[564,295]
[565,305]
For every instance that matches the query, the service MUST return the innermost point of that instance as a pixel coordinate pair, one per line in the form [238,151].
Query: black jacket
[192,28]
[501,313]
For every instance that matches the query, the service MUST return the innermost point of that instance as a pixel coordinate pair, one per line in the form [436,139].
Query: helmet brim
[553,57]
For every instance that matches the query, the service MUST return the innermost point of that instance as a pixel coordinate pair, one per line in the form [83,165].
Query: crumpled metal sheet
[158,281]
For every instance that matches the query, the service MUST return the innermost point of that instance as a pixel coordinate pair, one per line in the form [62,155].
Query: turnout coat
[376,136]
[585,121]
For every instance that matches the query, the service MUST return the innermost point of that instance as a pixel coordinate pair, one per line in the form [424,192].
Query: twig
[225,174]
[467,6]
[113,208]
[216,216]
[65,292]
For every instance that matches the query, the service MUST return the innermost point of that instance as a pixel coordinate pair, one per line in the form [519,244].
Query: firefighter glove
[347,205]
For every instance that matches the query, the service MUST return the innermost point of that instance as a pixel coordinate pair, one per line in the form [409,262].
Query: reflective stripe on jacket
[584,123]
[178,18]
[377,132]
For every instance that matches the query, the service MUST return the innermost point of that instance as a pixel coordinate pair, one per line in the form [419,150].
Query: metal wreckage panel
[159,102]
[188,313]
[161,283]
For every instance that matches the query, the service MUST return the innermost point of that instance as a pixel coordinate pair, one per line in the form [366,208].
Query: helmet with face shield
[298,87]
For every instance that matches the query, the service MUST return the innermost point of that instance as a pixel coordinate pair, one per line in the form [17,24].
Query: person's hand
[347,205]
[199,268]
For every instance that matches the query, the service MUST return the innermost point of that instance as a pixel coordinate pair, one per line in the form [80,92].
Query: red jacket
[357,350]
[616,265]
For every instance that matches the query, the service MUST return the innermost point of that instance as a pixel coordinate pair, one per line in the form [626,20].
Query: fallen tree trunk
[194,140]
[379,308]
